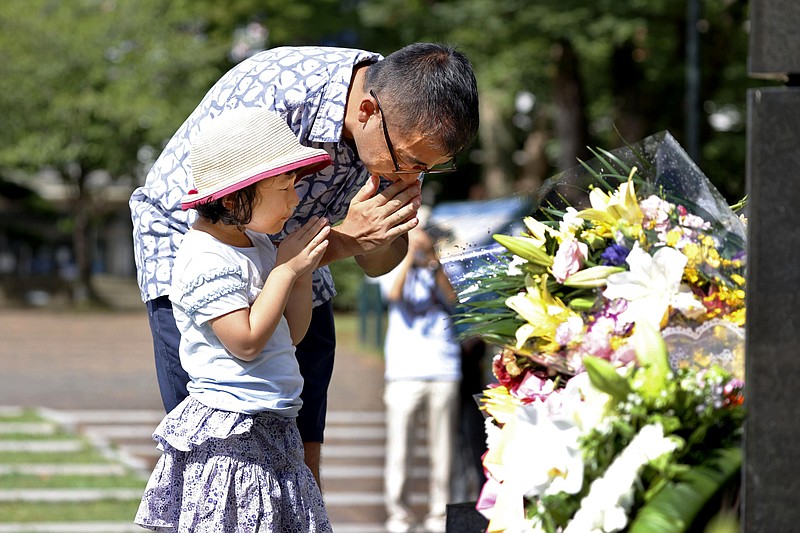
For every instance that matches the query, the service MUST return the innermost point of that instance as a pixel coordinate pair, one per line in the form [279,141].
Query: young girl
[232,456]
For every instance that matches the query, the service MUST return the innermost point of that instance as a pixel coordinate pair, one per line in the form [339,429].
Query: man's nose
[408,178]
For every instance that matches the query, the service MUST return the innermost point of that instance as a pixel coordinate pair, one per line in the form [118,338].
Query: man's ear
[366,108]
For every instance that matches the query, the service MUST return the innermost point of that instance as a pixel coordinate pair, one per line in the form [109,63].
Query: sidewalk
[76,360]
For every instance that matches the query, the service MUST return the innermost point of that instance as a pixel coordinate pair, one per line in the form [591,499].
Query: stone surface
[774,37]
[464,518]
[772,459]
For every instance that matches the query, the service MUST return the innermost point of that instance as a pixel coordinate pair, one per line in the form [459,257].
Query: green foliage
[349,279]
[604,378]
[91,85]
[674,508]
[651,352]
[89,82]
[75,75]
[630,59]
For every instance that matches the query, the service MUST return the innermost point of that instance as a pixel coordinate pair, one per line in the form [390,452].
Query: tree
[602,73]
[86,84]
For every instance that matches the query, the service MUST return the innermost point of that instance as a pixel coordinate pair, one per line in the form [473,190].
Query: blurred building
[37,256]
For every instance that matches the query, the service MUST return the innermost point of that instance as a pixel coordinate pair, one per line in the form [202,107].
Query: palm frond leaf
[675,508]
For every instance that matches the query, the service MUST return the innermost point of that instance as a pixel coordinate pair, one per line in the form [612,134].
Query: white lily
[585,405]
[536,454]
[652,286]
[605,508]
[570,223]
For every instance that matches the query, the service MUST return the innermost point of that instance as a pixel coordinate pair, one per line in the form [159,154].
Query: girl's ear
[227,201]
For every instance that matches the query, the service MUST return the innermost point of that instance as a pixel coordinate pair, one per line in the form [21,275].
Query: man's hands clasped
[376,218]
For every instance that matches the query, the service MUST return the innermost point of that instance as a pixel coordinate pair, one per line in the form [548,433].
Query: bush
[348,277]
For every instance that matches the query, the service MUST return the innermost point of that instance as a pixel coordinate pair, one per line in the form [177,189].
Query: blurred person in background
[423,371]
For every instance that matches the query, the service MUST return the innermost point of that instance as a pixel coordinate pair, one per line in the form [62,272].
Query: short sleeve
[206,290]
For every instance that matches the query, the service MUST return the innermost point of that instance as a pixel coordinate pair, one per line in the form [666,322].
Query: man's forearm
[376,262]
[340,247]
[382,260]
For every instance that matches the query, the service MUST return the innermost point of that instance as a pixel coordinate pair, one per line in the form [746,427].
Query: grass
[24,415]
[349,329]
[102,510]
[20,481]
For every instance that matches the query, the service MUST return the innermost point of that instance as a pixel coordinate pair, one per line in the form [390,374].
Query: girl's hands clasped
[302,249]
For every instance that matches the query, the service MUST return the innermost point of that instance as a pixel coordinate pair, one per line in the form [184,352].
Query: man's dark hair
[430,88]
[238,215]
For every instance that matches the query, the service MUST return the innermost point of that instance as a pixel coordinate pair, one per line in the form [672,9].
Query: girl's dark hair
[430,88]
[238,215]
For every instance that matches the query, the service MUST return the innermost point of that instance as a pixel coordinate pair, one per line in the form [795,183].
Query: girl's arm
[298,308]
[245,332]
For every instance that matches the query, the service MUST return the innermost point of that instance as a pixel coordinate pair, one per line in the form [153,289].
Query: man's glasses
[449,166]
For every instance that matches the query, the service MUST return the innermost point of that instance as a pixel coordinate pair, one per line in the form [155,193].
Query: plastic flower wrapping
[618,308]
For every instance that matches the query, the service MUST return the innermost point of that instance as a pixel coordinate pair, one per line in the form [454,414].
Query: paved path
[95,372]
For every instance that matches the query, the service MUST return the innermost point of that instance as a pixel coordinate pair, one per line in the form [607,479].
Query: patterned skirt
[230,472]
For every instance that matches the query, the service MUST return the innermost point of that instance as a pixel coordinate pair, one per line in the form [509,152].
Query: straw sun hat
[242,146]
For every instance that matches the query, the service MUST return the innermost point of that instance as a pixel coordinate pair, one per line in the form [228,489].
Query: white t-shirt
[420,339]
[211,279]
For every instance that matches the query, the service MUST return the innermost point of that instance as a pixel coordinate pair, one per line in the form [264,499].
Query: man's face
[394,156]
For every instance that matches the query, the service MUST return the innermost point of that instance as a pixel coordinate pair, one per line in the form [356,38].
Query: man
[427,113]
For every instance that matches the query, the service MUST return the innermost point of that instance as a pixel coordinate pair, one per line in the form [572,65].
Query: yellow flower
[737,317]
[691,275]
[673,236]
[541,311]
[596,237]
[633,232]
[537,231]
[692,252]
[499,403]
[619,207]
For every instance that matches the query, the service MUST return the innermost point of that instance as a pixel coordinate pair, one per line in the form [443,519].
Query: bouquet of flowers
[620,312]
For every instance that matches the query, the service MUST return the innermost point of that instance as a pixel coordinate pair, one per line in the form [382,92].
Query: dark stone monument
[464,518]
[771,473]
[774,37]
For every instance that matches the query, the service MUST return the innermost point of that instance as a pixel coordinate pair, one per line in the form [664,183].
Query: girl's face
[274,203]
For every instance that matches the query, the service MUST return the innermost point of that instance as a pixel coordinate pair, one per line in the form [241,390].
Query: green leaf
[674,509]
[604,378]
[525,248]
[626,169]
[598,176]
[611,171]
[651,351]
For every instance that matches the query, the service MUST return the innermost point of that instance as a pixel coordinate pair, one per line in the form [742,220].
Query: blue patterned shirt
[305,85]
